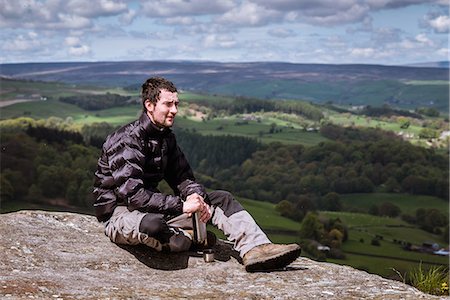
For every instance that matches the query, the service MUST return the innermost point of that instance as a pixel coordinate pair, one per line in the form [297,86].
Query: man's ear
[149,106]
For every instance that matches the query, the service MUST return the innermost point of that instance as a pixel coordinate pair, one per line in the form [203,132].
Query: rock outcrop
[55,255]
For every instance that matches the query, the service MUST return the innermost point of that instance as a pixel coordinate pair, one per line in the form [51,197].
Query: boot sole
[274,263]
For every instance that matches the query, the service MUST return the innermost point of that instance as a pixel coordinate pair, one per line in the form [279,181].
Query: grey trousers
[227,215]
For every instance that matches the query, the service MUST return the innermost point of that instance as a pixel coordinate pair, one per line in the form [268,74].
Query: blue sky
[391,32]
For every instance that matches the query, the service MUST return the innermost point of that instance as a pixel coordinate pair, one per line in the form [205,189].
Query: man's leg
[258,253]
[235,222]
[135,227]
[123,228]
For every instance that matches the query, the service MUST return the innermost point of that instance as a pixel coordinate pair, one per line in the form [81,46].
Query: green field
[381,259]
[382,266]
[406,202]
[11,89]
[121,115]
[290,128]
[259,130]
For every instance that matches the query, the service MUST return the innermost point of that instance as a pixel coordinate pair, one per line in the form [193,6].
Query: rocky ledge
[55,255]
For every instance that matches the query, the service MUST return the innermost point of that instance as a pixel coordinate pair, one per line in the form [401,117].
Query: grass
[10,89]
[191,97]
[289,127]
[267,217]
[347,119]
[434,281]
[381,259]
[367,226]
[382,266]
[259,130]
[40,110]
[408,203]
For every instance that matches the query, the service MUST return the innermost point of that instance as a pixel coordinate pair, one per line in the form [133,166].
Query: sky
[389,32]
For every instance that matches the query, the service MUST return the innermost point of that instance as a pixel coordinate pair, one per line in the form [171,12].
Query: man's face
[163,112]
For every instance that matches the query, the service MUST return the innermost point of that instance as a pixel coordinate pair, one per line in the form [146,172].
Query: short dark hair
[152,87]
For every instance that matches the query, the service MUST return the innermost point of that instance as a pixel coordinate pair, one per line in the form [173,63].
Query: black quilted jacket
[134,160]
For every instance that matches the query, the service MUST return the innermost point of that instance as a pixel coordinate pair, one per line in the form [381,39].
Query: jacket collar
[150,128]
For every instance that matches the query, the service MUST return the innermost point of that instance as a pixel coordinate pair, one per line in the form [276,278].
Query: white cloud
[322,12]
[171,8]
[57,14]
[68,21]
[88,8]
[281,32]
[22,42]
[407,44]
[218,41]
[355,13]
[362,52]
[423,39]
[128,17]
[249,14]
[443,52]
[335,12]
[440,24]
[72,41]
[386,35]
[334,42]
[179,21]
[79,50]
[76,48]
[218,30]
[392,4]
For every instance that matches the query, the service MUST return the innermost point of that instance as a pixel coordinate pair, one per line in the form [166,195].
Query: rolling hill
[402,86]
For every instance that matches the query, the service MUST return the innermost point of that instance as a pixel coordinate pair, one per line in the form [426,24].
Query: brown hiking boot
[269,257]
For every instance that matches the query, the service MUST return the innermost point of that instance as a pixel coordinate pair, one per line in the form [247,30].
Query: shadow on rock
[158,260]
[177,261]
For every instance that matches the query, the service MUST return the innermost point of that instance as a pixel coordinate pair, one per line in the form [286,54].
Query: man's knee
[155,226]
[225,201]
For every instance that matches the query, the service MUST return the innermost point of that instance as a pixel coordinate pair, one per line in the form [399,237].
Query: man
[136,157]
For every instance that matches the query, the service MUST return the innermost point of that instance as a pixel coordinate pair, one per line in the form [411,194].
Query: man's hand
[195,203]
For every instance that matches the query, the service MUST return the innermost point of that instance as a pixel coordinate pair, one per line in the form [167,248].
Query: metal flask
[208,255]
[199,229]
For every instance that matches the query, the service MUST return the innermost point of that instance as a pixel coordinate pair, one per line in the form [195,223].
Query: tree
[51,181]
[374,210]
[430,219]
[414,184]
[336,238]
[445,234]
[392,186]
[312,228]
[404,122]
[427,133]
[6,188]
[16,185]
[332,202]
[34,193]
[288,210]
[389,209]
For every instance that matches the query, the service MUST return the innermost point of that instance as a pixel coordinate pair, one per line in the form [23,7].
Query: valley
[295,123]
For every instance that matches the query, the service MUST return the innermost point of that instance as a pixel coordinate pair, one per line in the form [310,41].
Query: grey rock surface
[56,255]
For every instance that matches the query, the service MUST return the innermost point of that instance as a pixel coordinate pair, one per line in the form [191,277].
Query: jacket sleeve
[179,174]
[126,163]
[105,198]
